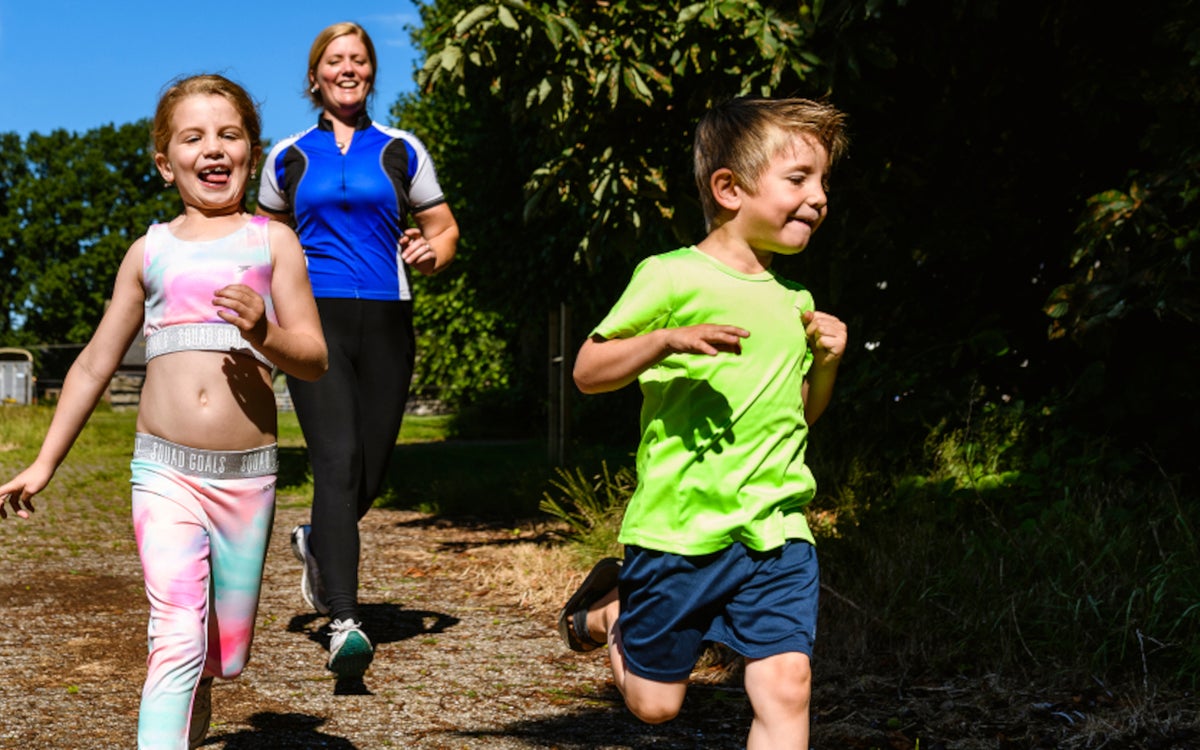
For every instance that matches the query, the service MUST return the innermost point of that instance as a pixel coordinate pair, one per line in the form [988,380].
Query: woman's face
[344,76]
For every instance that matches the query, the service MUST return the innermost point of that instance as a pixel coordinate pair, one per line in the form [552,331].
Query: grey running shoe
[350,653]
[201,713]
[310,578]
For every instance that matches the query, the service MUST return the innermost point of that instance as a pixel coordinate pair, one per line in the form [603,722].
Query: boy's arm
[296,344]
[608,364]
[827,340]
[85,383]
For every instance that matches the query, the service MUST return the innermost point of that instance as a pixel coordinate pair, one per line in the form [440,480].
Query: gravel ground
[467,657]
[459,664]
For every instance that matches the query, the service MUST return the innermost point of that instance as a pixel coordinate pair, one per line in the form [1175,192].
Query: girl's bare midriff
[209,400]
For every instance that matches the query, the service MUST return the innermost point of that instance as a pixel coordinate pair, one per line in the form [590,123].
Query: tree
[567,133]
[72,206]
[980,131]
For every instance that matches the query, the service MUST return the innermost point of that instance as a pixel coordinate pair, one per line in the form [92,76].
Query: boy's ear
[164,167]
[725,189]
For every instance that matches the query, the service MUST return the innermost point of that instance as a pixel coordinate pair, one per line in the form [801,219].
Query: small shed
[16,376]
[125,388]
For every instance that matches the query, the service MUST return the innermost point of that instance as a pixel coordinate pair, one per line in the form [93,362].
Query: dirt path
[460,664]
[468,657]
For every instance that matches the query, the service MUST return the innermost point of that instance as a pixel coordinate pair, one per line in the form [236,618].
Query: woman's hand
[417,251]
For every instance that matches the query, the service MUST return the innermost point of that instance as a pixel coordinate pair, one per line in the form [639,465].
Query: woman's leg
[384,375]
[328,411]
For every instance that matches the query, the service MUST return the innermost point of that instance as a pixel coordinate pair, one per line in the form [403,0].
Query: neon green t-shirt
[721,458]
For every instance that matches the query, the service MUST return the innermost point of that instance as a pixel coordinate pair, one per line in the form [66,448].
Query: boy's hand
[826,337]
[706,338]
[20,491]
[244,308]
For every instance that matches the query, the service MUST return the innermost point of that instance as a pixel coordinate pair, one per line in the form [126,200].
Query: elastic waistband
[215,337]
[206,464]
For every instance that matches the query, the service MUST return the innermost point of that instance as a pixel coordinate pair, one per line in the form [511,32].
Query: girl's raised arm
[86,381]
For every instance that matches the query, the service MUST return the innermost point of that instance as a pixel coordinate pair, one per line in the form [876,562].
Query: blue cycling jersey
[350,209]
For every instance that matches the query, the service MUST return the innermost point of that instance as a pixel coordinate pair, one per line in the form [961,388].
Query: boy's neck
[733,251]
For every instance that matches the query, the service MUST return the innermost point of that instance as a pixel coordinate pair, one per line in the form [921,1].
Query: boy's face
[788,202]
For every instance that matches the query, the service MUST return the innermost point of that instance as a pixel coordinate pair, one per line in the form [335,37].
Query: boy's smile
[788,203]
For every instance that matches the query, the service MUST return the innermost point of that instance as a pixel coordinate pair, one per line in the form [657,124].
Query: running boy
[734,364]
[223,297]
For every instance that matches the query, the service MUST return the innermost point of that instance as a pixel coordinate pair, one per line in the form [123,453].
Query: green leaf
[554,31]
[689,14]
[473,17]
[636,86]
[451,57]
[507,19]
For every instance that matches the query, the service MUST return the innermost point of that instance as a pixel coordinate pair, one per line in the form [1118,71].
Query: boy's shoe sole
[309,575]
[572,619]
[350,652]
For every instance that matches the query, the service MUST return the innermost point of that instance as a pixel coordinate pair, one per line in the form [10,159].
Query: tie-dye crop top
[181,276]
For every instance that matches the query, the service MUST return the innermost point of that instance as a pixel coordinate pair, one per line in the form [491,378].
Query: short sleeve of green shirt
[721,456]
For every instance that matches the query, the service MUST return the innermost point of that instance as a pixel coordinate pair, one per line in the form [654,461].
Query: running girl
[222,297]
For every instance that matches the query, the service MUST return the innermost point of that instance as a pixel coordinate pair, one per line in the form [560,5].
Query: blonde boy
[734,364]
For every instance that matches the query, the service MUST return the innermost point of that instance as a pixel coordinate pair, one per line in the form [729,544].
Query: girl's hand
[244,308]
[20,491]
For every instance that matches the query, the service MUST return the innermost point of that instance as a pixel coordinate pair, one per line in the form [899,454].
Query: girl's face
[344,76]
[209,156]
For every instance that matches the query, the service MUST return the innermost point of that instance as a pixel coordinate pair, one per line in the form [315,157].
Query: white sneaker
[201,713]
[310,578]
[350,652]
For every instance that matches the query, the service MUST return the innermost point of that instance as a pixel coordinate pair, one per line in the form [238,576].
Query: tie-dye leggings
[202,520]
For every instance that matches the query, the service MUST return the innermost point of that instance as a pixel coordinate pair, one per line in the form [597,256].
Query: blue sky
[80,64]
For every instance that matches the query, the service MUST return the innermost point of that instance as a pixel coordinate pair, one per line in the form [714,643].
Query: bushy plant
[592,507]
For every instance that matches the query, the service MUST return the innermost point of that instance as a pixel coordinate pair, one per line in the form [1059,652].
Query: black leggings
[351,419]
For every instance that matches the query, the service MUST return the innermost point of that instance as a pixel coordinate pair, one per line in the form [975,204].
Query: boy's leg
[651,701]
[779,688]
[772,621]
[660,604]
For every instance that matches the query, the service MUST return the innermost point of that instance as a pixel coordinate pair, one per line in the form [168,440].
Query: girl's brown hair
[205,85]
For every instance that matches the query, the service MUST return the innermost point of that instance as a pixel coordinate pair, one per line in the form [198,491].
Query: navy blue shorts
[759,604]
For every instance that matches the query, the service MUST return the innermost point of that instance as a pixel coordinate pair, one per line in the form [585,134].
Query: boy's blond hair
[744,134]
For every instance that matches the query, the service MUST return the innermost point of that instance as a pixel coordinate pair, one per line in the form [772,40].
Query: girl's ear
[164,167]
[725,189]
